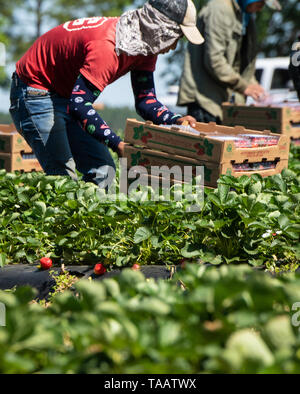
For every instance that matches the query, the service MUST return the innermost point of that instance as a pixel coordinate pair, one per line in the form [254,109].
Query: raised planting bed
[251,220]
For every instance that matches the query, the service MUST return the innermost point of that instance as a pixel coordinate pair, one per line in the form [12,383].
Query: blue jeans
[58,141]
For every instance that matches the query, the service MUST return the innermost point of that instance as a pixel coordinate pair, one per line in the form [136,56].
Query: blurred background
[22,21]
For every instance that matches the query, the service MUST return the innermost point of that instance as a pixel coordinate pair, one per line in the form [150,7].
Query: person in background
[66,69]
[225,64]
[295,66]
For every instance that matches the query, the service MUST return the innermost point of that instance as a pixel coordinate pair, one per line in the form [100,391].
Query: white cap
[189,25]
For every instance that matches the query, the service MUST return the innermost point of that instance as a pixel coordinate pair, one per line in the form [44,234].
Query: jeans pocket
[37,105]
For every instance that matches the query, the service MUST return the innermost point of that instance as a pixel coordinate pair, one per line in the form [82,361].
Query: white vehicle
[271,73]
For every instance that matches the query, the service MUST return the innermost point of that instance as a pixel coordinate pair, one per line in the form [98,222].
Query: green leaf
[283,221]
[215,200]
[142,234]
[73,204]
[256,262]
[73,234]
[40,208]
[190,251]
[244,181]
[223,191]
[247,347]
[255,188]
[279,332]
[2,259]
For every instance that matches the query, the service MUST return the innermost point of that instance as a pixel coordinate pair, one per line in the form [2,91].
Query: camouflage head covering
[145,31]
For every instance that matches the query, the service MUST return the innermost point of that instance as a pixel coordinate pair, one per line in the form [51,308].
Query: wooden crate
[203,146]
[15,153]
[283,118]
[19,162]
[7,128]
[13,143]
[138,156]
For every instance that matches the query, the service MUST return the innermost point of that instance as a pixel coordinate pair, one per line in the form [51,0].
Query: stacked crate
[219,149]
[15,153]
[278,118]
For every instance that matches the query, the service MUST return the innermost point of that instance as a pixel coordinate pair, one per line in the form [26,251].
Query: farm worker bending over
[295,66]
[225,63]
[66,69]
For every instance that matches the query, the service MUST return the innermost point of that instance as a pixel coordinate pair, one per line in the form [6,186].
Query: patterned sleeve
[80,107]
[146,103]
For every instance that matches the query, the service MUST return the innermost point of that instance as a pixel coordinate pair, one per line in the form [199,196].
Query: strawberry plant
[213,323]
[72,223]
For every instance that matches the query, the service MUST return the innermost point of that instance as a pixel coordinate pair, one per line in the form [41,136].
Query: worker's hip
[58,141]
[35,106]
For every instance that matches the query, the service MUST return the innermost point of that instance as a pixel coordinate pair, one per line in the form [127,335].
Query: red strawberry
[136,267]
[99,269]
[46,263]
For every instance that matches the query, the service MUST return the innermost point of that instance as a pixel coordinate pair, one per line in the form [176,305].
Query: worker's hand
[191,121]
[120,149]
[256,91]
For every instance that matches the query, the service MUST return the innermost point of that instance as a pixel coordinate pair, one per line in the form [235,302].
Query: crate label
[229,148]
[136,160]
[138,132]
[205,149]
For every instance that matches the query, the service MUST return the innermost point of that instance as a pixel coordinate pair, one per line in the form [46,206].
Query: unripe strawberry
[99,269]
[46,263]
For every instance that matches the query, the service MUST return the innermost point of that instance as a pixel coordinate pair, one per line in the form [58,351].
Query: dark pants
[58,141]
[201,115]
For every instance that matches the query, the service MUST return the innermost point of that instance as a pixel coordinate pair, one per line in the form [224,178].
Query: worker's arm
[80,107]
[147,105]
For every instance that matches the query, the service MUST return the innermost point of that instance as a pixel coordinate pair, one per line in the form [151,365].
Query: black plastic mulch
[21,275]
